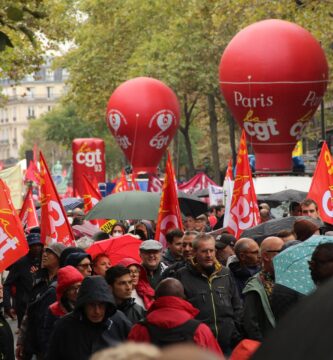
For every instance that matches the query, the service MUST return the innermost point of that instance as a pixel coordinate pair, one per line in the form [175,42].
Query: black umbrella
[191,205]
[69,204]
[201,193]
[285,195]
[305,332]
[272,227]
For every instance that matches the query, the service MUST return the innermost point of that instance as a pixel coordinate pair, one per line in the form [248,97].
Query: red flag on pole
[54,223]
[13,244]
[28,214]
[121,184]
[91,196]
[154,184]
[169,216]
[32,173]
[321,189]
[244,211]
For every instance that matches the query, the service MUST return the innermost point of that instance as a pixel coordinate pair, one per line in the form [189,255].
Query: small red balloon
[143,116]
[273,76]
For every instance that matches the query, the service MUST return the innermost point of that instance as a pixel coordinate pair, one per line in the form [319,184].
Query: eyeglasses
[85,266]
[273,251]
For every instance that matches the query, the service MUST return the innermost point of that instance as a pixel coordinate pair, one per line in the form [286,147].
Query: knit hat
[56,248]
[66,252]
[66,277]
[33,238]
[75,258]
[304,229]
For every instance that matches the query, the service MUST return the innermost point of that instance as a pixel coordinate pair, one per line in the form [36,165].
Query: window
[14,113]
[31,112]
[49,75]
[30,92]
[50,92]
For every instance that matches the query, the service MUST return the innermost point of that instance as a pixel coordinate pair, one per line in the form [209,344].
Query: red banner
[28,214]
[198,182]
[154,184]
[32,173]
[13,244]
[321,189]
[121,184]
[244,211]
[54,223]
[88,159]
[169,216]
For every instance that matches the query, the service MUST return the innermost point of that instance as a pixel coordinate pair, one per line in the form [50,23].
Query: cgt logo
[90,158]
[164,120]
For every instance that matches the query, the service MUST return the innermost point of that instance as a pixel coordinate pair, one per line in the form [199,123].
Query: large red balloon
[143,116]
[273,75]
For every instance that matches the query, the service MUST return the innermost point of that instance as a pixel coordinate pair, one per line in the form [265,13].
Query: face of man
[187,247]
[199,225]
[205,253]
[310,210]
[250,257]
[95,311]
[85,267]
[150,259]
[101,265]
[189,223]
[49,260]
[176,247]
[321,267]
[122,288]
[222,255]
[35,250]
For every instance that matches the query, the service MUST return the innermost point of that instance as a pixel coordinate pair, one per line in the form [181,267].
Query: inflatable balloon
[143,116]
[273,75]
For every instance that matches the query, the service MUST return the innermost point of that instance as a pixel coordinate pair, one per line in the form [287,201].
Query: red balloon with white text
[143,116]
[273,76]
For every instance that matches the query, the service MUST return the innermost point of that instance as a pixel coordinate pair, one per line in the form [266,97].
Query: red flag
[28,214]
[244,211]
[154,184]
[121,184]
[321,189]
[54,223]
[169,216]
[13,244]
[228,174]
[91,196]
[32,173]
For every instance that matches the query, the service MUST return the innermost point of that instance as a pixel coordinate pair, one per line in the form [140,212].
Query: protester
[310,208]
[219,213]
[94,324]
[68,285]
[321,263]
[295,209]
[6,336]
[80,260]
[304,229]
[100,264]
[205,276]
[142,292]
[248,264]
[200,224]
[224,246]
[118,229]
[120,281]
[69,250]
[161,329]
[286,235]
[144,228]
[43,294]
[173,253]
[100,235]
[20,276]
[265,215]
[189,223]
[258,316]
[150,253]
[186,255]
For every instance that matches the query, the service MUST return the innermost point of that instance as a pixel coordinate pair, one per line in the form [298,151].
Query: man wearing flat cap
[151,255]
[224,246]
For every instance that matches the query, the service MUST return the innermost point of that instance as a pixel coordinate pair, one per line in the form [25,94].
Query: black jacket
[75,337]
[6,340]
[133,311]
[241,275]
[218,301]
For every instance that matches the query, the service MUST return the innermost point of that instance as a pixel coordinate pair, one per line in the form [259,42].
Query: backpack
[163,337]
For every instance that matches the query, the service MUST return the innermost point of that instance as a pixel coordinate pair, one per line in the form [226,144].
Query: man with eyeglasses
[310,208]
[258,316]
[82,261]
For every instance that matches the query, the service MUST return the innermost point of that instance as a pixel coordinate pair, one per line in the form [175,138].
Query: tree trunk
[188,145]
[175,154]
[231,123]
[213,136]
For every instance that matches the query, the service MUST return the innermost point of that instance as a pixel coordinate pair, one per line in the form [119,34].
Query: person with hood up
[161,328]
[94,324]
[69,282]
[142,292]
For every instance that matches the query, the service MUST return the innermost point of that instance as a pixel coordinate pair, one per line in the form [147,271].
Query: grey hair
[199,238]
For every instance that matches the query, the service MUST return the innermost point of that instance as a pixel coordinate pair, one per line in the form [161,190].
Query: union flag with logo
[13,244]
[169,216]
[321,189]
[244,211]
[54,223]
[28,214]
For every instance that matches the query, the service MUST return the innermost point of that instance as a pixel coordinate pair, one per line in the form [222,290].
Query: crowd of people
[215,291]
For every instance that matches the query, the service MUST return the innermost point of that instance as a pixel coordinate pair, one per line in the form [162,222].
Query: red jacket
[169,312]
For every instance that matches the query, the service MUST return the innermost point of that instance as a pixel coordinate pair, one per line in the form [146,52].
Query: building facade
[35,95]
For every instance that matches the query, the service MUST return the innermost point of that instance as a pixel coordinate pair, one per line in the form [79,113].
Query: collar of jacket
[198,269]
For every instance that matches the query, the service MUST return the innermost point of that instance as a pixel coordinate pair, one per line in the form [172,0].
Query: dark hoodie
[75,337]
